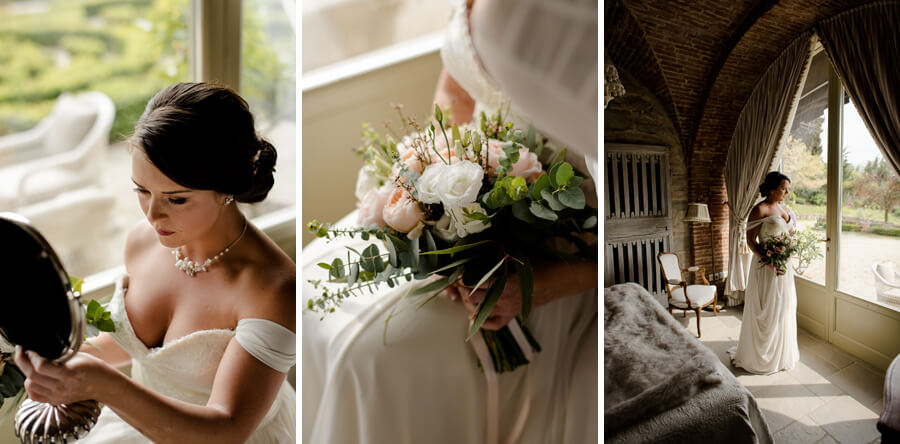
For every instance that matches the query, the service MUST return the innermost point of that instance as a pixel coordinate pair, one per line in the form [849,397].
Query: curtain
[757,137]
[863,45]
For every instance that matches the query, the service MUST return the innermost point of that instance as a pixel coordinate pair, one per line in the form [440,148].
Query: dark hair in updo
[773,180]
[201,136]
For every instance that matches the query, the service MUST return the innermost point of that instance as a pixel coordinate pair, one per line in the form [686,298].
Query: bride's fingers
[452,293]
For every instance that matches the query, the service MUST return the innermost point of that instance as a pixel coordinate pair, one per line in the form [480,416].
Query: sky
[860,146]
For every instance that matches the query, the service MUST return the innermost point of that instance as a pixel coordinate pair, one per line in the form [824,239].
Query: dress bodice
[770,226]
[186,367]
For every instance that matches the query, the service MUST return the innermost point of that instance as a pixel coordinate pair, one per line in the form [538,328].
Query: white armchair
[887,283]
[64,151]
[683,296]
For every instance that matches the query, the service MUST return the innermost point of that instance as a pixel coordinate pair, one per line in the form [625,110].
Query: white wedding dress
[768,341]
[417,380]
[184,369]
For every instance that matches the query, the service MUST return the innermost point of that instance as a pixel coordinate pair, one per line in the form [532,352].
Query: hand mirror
[42,314]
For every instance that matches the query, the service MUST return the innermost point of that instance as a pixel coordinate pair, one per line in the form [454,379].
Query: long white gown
[418,381]
[768,341]
[184,369]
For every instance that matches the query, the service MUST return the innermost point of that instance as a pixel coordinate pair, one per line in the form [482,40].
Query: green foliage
[807,250]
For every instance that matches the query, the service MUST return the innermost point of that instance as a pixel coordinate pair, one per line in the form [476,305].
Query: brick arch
[702,59]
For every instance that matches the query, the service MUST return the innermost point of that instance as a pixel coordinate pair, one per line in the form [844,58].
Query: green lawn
[871,214]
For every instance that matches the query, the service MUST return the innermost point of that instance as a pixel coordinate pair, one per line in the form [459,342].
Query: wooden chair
[683,296]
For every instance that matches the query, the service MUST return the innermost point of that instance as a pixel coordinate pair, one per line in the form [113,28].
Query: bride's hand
[508,306]
[76,380]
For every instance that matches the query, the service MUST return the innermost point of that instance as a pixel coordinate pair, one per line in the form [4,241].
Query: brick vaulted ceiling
[702,58]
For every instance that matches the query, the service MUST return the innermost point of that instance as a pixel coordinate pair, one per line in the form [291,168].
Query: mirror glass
[36,309]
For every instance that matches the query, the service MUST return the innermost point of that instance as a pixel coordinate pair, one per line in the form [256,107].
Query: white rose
[365,181]
[444,229]
[464,225]
[427,185]
[459,183]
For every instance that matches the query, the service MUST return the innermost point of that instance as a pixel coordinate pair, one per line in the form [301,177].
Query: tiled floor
[829,397]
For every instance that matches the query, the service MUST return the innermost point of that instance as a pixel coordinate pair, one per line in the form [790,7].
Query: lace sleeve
[271,343]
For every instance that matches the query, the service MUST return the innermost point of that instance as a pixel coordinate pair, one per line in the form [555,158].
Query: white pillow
[886,271]
[73,119]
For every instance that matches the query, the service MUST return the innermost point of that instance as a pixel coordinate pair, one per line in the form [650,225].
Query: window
[127,50]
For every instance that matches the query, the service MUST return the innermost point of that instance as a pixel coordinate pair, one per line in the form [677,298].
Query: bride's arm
[106,348]
[242,393]
[449,94]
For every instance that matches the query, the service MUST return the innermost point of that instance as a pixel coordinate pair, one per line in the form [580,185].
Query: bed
[661,384]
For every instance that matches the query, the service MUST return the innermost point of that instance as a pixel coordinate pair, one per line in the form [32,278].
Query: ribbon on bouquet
[493,389]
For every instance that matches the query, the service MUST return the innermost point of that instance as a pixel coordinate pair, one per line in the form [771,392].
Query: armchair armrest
[700,270]
[24,141]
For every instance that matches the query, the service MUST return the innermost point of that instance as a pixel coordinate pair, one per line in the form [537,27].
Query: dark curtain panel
[864,47]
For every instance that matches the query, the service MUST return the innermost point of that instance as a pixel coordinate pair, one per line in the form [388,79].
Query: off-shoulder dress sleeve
[271,343]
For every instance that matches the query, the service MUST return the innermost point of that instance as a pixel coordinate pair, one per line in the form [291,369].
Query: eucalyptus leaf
[552,201]
[552,175]
[354,274]
[543,181]
[367,261]
[400,244]
[414,253]
[487,304]
[576,181]
[572,197]
[559,157]
[526,284]
[106,325]
[517,188]
[589,223]
[520,211]
[563,174]
[542,211]
[324,265]
[337,268]
[392,254]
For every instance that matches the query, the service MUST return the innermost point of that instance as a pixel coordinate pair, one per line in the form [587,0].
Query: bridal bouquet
[471,203]
[12,380]
[777,250]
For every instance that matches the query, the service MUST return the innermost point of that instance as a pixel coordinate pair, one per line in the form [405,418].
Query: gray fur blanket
[651,362]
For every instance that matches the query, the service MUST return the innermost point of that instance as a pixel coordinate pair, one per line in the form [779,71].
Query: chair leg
[698,321]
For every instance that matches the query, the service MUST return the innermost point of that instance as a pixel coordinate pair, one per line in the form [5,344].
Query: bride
[768,340]
[211,338]
[417,380]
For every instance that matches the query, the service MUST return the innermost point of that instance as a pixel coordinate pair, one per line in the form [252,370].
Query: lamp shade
[697,212]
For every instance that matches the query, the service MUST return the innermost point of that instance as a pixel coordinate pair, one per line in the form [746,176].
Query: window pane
[804,161]
[268,83]
[335,30]
[870,216]
[125,50]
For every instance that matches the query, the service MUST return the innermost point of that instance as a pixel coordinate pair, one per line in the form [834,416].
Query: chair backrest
[884,277]
[671,270]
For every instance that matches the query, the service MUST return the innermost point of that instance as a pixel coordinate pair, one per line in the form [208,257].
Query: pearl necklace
[191,268]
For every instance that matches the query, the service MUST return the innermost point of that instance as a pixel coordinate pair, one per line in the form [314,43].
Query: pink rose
[528,165]
[401,212]
[371,206]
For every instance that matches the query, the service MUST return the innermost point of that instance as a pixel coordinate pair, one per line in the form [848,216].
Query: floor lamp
[699,212]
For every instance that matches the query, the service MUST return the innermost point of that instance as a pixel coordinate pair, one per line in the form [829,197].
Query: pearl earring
[229,199]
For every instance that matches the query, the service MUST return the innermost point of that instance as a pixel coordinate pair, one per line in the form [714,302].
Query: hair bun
[263,173]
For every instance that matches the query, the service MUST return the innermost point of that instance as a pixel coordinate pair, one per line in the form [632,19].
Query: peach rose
[372,205]
[528,165]
[402,213]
